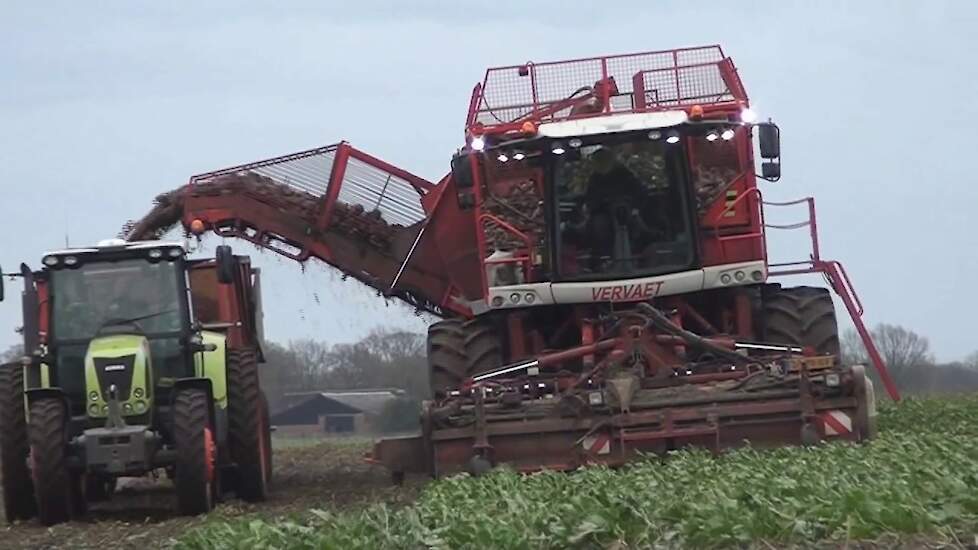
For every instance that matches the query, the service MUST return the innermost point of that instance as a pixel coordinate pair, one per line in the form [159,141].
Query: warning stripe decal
[837,423]
[599,444]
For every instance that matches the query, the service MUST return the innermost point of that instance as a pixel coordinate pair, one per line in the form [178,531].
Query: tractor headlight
[514,297]
[93,410]
[105,409]
[71,261]
[478,143]
[497,301]
[832,380]
[176,253]
[748,115]
[725,278]
[740,276]
[156,253]
[50,261]
[93,396]
[140,406]
[138,392]
[727,134]
[127,408]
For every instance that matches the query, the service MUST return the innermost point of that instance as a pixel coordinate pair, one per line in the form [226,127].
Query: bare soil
[327,475]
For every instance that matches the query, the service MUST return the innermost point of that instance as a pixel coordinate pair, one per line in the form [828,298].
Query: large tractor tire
[800,316]
[268,439]
[18,488]
[446,356]
[247,429]
[195,472]
[49,470]
[483,349]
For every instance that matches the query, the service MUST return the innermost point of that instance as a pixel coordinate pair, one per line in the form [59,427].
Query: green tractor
[136,359]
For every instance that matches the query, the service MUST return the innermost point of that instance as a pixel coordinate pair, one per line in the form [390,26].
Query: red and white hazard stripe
[836,422]
[598,444]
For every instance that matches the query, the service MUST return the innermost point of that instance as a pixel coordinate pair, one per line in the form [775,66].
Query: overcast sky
[104,105]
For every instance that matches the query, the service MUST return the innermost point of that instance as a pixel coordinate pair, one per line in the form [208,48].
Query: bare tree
[971,361]
[12,353]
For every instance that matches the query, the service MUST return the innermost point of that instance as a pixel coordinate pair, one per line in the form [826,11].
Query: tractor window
[622,210]
[134,295]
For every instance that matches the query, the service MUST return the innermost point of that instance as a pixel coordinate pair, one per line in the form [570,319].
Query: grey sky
[104,105]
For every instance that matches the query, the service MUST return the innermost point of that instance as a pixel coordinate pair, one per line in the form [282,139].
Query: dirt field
[324,475]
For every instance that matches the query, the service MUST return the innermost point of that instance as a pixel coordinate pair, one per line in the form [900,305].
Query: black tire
[269,470]
[49,471]
[246,434]
[801,316]
[196,462]
[18,489]
[446,356]
[483,349]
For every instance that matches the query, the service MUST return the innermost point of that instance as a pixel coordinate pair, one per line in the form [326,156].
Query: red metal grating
[645,81]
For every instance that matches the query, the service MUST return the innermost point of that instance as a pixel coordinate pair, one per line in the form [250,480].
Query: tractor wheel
[18,490]
[268,439]
[196,464]
[801,316]
[483,350]
[49,470]
[247,432]
[446,356]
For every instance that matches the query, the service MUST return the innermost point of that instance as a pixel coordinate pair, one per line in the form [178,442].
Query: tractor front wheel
[18,489]
[193,434]
[446,356]
[801,316]
[49,471]
[247,426]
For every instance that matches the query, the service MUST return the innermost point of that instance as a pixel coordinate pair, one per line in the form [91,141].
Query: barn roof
[306,407]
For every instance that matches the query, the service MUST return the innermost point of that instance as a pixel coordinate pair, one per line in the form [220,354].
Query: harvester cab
[138,358]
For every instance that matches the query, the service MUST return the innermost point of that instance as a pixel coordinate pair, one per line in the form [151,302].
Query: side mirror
[464,179]
[462,171]
[225,264]
[771,171]
[1,283]
[769,136]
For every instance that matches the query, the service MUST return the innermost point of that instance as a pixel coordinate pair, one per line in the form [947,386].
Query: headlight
[575,143]
[740,276]
[71,260]
[725,278]
[105,409]
[757,275]
[156,253]
[126,408]
[140,407]
[93,396]
[832,380]
[515,297]
[138,392]
[497,301]
[748,115]
[530,297]
[50,261]
[176,252]
[478,143]
[727,134]
[93,410]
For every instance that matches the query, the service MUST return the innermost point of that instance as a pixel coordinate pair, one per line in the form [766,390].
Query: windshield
[622,209]
[134,295]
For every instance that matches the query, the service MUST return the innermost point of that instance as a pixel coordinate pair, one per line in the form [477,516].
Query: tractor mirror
[462,172]
[1,284]
[771,171]
[769,136]
[225,264]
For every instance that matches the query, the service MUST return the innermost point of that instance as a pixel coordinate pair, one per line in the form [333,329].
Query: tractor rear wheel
[196,467]
[18,489]
[800,316]
[49,470]
[483,350]
[247,429]
[446,356]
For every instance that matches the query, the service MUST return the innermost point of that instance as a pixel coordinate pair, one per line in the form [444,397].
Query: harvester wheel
[268,439]
[99,488]
[446,356]
[483,351]
[49,470]
[247,429]
[801,316]
[18,490]
[196,467]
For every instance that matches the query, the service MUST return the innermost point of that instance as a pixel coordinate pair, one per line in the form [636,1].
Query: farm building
[334,412]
